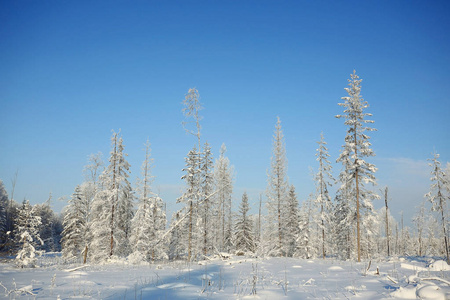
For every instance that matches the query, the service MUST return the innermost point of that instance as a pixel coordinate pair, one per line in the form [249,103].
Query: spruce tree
[142,225]
[244,238]
[192,107]
[112,207]
[323,200]
[223,182]
[277,193]
[27,236]
[75,227]
[292,223]
[205,207]
[358,146]
[190,198]
[438,196]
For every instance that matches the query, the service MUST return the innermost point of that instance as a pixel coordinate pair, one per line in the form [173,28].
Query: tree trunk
[279,227]
[259,220]
[190,232]
[205,223]
[85,255]
[112,232]
[387,219]
[441,204]
[358,229]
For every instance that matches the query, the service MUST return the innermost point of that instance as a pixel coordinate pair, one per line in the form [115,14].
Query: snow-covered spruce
[149,222]
[323,180]
[244,239]
[223,182]
[357,147]
[276,196]
[27,234]
[438,195]
[74,237]
[112,207]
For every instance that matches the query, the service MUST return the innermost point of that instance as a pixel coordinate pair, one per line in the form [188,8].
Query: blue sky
[71,71]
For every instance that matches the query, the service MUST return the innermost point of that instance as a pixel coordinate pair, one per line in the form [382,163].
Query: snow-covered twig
[25,290]
[77,268]
[389,277]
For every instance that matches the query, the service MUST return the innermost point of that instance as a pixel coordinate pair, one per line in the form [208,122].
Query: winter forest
[109,220]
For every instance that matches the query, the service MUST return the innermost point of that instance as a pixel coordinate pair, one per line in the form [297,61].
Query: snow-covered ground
[235,278]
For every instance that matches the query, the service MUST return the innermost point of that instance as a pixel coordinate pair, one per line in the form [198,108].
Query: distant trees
[50,229]
[102,222]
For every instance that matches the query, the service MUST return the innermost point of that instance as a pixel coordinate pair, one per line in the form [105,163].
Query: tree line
[108,219]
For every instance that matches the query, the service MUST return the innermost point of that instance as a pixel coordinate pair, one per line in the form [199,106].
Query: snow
[234,278]
[439,265]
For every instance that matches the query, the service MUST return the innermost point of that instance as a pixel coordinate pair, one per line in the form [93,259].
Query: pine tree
[244,238]
[292,222]
[75,227]
[277,192]
[223,181]
[27,234]
[323,178]
[358,145]
[438,196]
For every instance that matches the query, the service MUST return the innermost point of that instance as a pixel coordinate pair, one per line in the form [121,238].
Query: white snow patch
[335,268]
[174,285]
[84,282]
[405,293]
[430,292]
[412,267]
[439,265]
[354,288]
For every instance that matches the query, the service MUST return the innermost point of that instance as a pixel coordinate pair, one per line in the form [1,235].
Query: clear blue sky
[71,71]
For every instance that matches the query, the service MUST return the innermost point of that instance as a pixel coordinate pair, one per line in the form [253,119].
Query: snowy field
[234,278]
